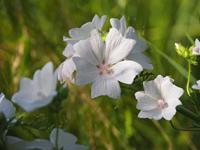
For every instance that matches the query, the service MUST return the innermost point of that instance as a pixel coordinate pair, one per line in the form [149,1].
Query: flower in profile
[77,34]
[63,140]
[6,107]
[38,92]
[196,86]
[196,49]
[67,68]
[103,65]
[159,99]
[137,52]
[15,143]
[59,139]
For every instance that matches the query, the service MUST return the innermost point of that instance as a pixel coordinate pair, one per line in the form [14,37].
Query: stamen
[162,104]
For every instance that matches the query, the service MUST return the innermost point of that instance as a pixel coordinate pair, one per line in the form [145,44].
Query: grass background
[31,33]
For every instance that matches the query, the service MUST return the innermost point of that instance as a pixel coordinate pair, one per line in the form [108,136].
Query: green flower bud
[181,50]
[186,53]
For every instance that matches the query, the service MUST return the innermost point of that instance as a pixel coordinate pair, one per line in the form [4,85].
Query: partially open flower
[196,49]
[38,92]
[63,140]
[159,99]
[77,34]
[6,107]
[196,86]
[66,70]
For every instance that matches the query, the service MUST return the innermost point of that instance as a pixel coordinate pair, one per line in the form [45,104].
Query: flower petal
[115,23]
[97,45]
[117,47]
[85,50]
[46,80]
[123,25]
[145,102]
[98,22]
[10,140]
[81,33]
[64,139]
[196,86]
[66,70]
[6,107]
[69,50]
[86,72]
[140,45]
[152,114]
[104,85]
[196,49]
[141,59]
[30,103]
[125,71]
[151,88]
[170,90]
[169,112]
[76,147]
[120,25]
[70,40]
[29,145]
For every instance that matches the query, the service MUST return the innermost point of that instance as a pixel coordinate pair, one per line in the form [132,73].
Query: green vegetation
[31,33]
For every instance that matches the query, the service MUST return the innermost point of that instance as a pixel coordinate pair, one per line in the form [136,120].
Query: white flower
[65,140]
[159,99]
[103,64]
[196,86]
[140,46]
[6,107]
[67,68]
[196,49]
[58,139]
[38,92]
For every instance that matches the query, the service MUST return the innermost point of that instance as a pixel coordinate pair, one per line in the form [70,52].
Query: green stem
[184,129]
[188,79]
[188,113]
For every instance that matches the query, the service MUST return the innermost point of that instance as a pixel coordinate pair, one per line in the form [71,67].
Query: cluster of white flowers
[34,94]
[104,63]
[67,68]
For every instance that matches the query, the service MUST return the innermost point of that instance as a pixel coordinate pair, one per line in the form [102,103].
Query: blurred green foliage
[31,33]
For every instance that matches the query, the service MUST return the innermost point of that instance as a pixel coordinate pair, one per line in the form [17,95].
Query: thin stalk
[188,79]
[184,129]
[186,112]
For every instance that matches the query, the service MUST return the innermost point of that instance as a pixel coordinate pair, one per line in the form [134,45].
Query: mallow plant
[108,61]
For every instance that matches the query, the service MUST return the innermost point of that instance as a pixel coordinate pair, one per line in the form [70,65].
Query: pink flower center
[104,69]
[162,104]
